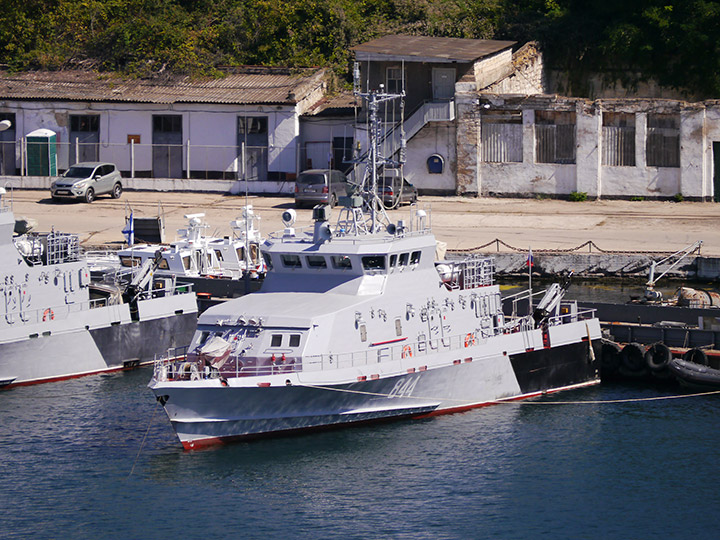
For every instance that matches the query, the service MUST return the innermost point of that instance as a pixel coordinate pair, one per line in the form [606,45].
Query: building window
[501,136]
[435,164]
[394,80]
[663,140]
[554,137]
[618,139]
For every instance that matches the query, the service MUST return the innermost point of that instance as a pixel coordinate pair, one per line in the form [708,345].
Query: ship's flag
[529,262]
[129,231]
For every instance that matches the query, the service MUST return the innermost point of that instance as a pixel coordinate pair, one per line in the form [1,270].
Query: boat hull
[204,415]
[97,340]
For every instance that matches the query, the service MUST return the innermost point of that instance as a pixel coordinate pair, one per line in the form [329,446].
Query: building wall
[526,74]
[493,68]
[210,130]
[693,178]
[435,138]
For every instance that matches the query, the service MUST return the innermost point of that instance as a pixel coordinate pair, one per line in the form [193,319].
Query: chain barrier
[590,245]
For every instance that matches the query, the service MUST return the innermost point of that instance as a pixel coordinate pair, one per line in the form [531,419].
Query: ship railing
[178,365]
[50,313]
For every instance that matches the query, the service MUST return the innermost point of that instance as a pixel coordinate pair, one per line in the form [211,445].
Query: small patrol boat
[215,266]
[57,323]
[357,322]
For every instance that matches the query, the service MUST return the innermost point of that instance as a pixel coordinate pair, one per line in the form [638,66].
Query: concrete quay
[625,235]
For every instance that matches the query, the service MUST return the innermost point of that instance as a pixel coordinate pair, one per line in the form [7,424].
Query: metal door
[84,138]
[443,83]
[167,146]
[252,133]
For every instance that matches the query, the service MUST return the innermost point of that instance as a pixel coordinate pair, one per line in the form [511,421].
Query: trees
[672,41]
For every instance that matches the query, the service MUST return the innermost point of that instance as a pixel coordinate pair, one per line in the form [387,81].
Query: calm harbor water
[96,458]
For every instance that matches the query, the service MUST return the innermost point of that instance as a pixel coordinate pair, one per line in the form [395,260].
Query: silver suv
[86,181]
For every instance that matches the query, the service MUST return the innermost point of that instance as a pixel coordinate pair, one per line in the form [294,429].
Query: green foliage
[673,42]
[637,199]
[678,197]
[577,196]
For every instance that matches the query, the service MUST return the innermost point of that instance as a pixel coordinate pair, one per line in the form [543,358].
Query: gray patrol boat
[357,322]
[57,323]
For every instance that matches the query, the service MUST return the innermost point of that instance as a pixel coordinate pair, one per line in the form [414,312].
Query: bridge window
[276,340]
[415,257]
[341,262]
[294,340]
[316,261]
[290,261]
[373,263]
[404,257]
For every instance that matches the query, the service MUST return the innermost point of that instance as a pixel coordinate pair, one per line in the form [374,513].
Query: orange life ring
[407,351]
[469,340]
[48,315]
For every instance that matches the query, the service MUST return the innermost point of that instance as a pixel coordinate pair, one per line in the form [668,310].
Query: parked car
[395,191]
[86,181]
[320,186]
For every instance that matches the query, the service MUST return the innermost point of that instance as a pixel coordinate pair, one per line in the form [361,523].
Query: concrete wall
[526,73]
[693,179]
[435,138]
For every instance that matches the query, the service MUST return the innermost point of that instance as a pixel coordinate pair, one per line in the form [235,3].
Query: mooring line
[142,444]
[517,399]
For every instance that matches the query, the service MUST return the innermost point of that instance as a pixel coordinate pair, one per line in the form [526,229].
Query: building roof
[428,49]
[241,86]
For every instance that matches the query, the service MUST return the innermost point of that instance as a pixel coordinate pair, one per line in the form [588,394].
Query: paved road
[460,222]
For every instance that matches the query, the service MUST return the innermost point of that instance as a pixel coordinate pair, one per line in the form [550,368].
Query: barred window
[554,137]
[618,139]
[663,140]
[501,136]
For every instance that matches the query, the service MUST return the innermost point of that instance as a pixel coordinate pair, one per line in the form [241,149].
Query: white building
[181,132]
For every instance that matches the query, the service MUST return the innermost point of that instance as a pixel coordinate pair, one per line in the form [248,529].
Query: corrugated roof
[424,47]
[244,86]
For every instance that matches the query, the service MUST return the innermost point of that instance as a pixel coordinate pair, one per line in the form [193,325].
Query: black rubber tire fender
[610,356]
[658,356]
[632,356]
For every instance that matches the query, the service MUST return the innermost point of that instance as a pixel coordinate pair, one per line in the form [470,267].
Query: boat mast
[378,135]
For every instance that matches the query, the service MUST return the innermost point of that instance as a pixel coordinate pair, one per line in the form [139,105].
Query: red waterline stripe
[74,376]
[388,341]
[209,442]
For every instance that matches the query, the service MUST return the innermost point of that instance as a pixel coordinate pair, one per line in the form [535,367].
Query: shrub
[678,197]
[577,196]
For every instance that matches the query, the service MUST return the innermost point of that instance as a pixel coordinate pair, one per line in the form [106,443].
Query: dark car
[320,186]
[396,191]
[86,181]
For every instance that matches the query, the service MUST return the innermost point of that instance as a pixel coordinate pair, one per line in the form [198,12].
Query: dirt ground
[460,222]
